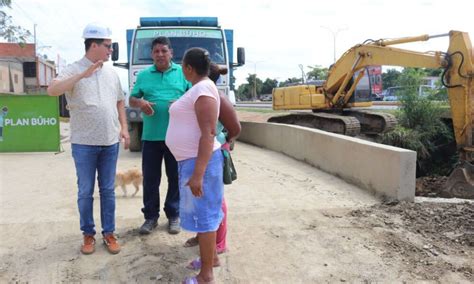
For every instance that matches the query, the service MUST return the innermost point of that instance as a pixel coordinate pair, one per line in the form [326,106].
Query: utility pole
[57,66]
[302,74]
[254,95]
[334,35]
[36,59]
[255,87]
[34,34]
[255,81]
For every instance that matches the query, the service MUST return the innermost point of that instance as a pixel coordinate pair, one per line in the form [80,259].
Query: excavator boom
[338,89]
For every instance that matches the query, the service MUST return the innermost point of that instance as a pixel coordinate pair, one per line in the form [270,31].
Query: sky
[278,36]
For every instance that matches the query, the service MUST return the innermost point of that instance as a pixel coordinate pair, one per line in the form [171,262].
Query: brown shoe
[88,246]
[111,243]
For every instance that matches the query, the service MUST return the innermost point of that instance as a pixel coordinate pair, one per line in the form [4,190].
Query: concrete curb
[383,170]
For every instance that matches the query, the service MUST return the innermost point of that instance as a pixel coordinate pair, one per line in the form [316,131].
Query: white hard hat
[97,30]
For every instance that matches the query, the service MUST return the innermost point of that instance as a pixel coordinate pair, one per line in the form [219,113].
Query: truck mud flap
[135,131]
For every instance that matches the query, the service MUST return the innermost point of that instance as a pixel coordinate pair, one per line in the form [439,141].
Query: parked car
[266,98]
[377,97]
[394,93]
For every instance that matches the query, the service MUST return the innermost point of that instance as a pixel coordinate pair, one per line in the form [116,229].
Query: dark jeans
[153,153]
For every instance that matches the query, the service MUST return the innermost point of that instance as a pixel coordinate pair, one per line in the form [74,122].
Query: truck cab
[184,33]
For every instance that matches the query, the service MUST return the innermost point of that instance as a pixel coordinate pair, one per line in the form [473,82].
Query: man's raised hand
[93,68]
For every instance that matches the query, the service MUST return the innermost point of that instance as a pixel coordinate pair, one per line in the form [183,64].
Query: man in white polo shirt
[97,109]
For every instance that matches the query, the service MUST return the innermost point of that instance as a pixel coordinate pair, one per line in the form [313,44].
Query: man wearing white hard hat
[98,123]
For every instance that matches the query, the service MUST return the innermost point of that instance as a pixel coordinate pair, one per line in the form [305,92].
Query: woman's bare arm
[228,118]
[206,113]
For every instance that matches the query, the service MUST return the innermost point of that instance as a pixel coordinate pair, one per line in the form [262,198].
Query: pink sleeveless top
[182,137]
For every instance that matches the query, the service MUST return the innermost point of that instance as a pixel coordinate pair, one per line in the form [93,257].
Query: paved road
[267,105]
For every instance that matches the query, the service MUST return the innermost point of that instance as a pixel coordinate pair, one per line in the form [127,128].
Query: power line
[25,17]
[24,13]
[70,18]
[39,43]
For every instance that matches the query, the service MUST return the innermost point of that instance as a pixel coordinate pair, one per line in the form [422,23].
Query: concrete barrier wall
[383,170]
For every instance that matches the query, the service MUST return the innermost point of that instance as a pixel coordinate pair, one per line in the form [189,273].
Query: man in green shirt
[155,89]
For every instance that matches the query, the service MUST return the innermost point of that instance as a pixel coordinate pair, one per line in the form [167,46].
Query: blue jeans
[153,154]
[89,160]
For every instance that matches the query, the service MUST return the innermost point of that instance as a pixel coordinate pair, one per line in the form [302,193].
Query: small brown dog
[133,176]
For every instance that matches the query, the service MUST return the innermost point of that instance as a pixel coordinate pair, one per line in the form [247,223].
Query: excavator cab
[363,90]
[332,104]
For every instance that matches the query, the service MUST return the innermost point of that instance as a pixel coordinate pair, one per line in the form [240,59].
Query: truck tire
[135,132]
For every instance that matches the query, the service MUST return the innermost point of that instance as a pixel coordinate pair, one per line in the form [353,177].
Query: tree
[247,91]
[268,86]
[317,73]
[433,72]
[243,92]
[411,79]
[255,85]
[439,93]
[390,78]
[420,126]
[8,30]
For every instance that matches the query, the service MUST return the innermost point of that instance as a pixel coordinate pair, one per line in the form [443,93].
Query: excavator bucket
[460,183]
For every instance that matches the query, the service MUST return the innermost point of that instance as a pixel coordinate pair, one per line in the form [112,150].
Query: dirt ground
[288,223]
[449,227]
[428,238]
[430,186]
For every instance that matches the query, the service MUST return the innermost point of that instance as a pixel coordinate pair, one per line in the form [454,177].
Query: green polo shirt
[160,88]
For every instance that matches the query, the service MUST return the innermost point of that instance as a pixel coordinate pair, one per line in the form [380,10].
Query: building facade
[22,70]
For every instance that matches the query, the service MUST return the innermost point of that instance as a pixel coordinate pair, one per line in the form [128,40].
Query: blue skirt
[201,214]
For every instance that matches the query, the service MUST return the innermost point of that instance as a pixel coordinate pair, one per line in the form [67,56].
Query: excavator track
[373,122]
[345,125]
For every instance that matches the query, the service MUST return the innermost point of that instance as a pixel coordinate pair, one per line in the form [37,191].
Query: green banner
[29,123]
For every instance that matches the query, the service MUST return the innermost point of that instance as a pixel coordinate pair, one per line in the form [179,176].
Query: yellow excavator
[333,103]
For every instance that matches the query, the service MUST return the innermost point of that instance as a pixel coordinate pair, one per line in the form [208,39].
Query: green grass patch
[421,129]
[390,111]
